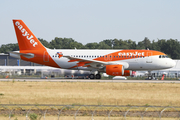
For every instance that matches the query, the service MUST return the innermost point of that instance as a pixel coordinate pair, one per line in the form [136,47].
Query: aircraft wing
[94,63]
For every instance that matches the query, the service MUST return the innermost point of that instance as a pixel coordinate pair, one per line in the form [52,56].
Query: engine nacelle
[127,73]
[115,70]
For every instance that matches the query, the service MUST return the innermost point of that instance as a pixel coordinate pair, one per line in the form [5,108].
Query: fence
[89,112]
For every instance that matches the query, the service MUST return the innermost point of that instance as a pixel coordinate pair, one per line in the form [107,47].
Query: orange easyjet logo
[131,54]
[26,34]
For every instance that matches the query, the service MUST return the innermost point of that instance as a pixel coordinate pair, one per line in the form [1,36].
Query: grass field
[90,93]
[88,118]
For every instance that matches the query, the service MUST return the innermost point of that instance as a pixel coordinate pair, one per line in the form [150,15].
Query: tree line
[171,46]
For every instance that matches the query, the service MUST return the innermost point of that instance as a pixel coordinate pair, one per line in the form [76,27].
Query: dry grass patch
[88,118]
[90,93]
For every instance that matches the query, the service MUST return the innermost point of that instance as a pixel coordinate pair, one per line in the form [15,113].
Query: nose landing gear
[151,76]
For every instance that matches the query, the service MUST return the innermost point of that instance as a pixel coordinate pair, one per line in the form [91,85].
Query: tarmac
[90,80]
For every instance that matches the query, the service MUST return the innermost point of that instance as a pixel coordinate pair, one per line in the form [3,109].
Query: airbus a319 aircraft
[111,62]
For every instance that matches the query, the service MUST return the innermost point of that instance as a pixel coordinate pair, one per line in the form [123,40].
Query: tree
[103,45]
[92,45]
[9,47]
[147,43]
[45,43]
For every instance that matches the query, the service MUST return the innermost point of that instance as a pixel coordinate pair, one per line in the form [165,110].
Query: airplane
[112,62]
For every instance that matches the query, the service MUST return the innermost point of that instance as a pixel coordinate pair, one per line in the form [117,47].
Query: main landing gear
[97,76]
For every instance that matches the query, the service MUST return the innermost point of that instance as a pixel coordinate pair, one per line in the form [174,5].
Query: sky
[88,21]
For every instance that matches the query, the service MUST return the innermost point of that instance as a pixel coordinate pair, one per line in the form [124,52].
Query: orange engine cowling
[127,73]
[115,70]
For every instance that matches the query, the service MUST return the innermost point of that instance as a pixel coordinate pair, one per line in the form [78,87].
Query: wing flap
[94,63]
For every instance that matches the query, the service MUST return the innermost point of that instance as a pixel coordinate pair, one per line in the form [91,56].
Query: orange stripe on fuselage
[115,56]
[128,54]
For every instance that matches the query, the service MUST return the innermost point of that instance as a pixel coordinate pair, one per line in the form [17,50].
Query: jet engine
[115,70]
[127,73]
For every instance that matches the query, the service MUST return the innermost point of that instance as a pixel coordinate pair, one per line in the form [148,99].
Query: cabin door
[149,57]
[46,56]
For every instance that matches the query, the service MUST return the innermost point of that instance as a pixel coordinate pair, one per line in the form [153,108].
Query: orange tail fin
[26,39]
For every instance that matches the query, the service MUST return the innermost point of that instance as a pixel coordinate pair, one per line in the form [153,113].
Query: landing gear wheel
[98,76]
[91,76]
[150,77]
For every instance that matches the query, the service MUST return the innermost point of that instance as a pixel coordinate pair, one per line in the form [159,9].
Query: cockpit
[163,56]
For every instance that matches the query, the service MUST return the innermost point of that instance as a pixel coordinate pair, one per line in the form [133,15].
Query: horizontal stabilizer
[16,54]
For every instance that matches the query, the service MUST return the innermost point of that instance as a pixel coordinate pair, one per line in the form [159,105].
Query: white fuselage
[142,63]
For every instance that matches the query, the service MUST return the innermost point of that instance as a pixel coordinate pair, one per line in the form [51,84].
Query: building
[6,60]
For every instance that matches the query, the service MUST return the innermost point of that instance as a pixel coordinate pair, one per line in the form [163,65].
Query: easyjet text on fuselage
[131,54]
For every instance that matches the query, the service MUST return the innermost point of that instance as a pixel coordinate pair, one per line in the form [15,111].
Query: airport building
[6,60]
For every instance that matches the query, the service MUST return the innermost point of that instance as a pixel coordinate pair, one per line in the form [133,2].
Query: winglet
[26,39]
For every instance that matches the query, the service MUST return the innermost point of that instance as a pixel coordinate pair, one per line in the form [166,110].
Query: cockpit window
[163,56]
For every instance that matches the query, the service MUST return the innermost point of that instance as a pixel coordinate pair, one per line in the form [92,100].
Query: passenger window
[127,56]
[124,56]
[53,55]
[160,56]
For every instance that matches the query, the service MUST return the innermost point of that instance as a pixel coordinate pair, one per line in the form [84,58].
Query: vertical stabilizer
[26,39]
